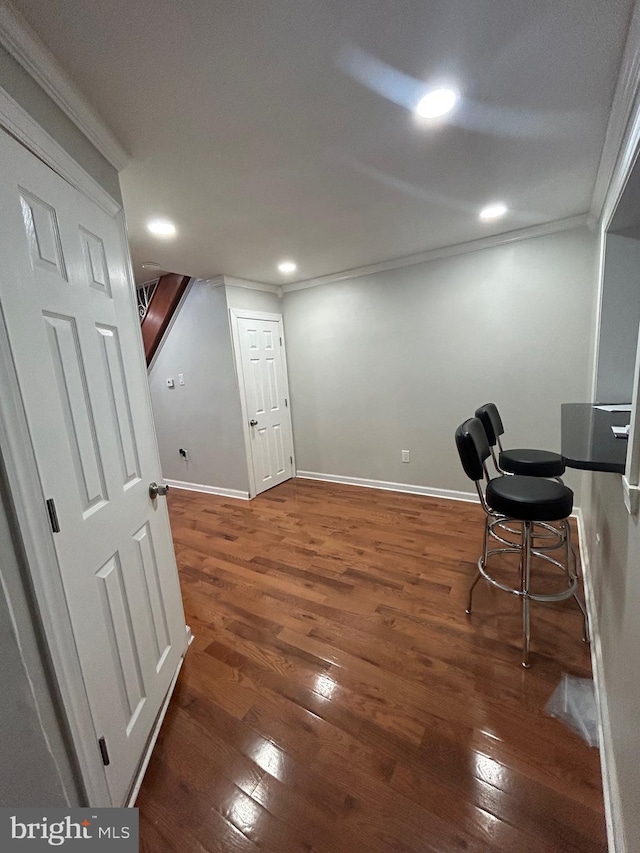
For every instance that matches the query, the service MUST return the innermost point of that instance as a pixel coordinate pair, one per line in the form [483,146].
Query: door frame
[24,486]
[236,314]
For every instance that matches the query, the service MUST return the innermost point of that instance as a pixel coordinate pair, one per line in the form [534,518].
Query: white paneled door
[73,333]
[263,384]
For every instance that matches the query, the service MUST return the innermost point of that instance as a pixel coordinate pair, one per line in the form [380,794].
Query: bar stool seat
[531,463]
[524,461]
[529,498]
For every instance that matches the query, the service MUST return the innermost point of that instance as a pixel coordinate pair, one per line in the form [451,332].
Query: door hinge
[53,516]
[280,341]
[286,402]
[104,752]
[291,459]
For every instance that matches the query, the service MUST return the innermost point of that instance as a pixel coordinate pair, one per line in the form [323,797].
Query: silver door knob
[253,422]
[155,490]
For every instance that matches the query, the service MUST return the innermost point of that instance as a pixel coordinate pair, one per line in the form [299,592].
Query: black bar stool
[528,463]
[524,501]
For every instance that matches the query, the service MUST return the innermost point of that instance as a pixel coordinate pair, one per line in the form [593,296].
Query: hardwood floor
[337,698]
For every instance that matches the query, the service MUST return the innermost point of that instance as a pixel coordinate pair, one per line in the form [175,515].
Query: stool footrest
[534,596]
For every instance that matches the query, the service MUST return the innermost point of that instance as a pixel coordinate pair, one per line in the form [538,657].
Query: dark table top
[587,440]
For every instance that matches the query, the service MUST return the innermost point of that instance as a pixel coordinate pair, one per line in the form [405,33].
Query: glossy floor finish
[337,698]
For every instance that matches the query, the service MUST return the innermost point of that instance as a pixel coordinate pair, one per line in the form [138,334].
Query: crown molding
[252,285]
[623,130]
[218,281]
[27,48]
[528,233]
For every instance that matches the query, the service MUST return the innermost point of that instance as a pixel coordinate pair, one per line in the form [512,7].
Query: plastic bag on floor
[574,702]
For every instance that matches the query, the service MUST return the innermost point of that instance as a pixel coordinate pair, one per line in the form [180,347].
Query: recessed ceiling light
[287,266]
[493,211]
[437,103]
[161,227]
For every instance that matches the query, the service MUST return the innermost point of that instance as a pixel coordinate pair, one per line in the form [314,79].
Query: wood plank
[337,698]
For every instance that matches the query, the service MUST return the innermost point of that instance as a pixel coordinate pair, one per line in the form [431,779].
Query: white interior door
[263,385]
[72,329]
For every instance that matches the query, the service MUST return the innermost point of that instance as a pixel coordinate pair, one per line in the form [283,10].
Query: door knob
[253,422]
[155,490]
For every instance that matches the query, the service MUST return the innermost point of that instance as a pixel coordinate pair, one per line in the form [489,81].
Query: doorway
[81,436]
[258,342]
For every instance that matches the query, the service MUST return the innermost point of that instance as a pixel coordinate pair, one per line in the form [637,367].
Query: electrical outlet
[405,456]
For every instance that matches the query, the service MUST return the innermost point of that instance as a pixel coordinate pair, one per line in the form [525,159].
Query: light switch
[171,383]
[181,378]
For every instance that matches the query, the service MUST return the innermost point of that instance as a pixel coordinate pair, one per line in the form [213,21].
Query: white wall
[398,359]
[611,549]
[614,573]
[620,316]
[253,300]
[202,416]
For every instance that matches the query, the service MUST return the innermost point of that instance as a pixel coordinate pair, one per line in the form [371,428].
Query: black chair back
[473,448]
[491,421]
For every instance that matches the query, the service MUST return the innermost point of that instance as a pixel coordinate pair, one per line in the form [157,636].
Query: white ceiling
[248,128]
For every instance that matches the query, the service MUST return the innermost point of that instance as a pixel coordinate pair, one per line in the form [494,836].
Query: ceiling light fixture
[150,265]
[437,103]
[493,211]
[287,267]
[161,227]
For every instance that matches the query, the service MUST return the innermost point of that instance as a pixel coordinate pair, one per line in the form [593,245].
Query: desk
[587,441]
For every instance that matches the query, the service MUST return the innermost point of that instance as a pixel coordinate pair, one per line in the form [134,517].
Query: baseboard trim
[610,790]
[133,796]
[428,491]
[208,490]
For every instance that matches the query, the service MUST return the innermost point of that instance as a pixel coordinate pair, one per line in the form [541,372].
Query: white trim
[27,48]
[218,281]
[252,285]
[135,790]
[542,230]
[602,243]
[234,315]
[631,479]
[622,134]
[174,317]
[619,157]
[26,494]
[207,490]
[428,491]
[255,315]
[20,125]
[610,789]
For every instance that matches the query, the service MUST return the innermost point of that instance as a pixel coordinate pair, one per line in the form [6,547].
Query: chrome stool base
[527,548]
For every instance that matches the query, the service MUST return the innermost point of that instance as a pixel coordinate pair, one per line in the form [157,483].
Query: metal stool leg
[525,580]
[483,561]
[471,588]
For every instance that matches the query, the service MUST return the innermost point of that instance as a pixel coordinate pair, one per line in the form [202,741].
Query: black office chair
[528,463]
[524,501]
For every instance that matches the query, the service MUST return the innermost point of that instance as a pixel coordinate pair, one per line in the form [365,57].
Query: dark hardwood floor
[337,698]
